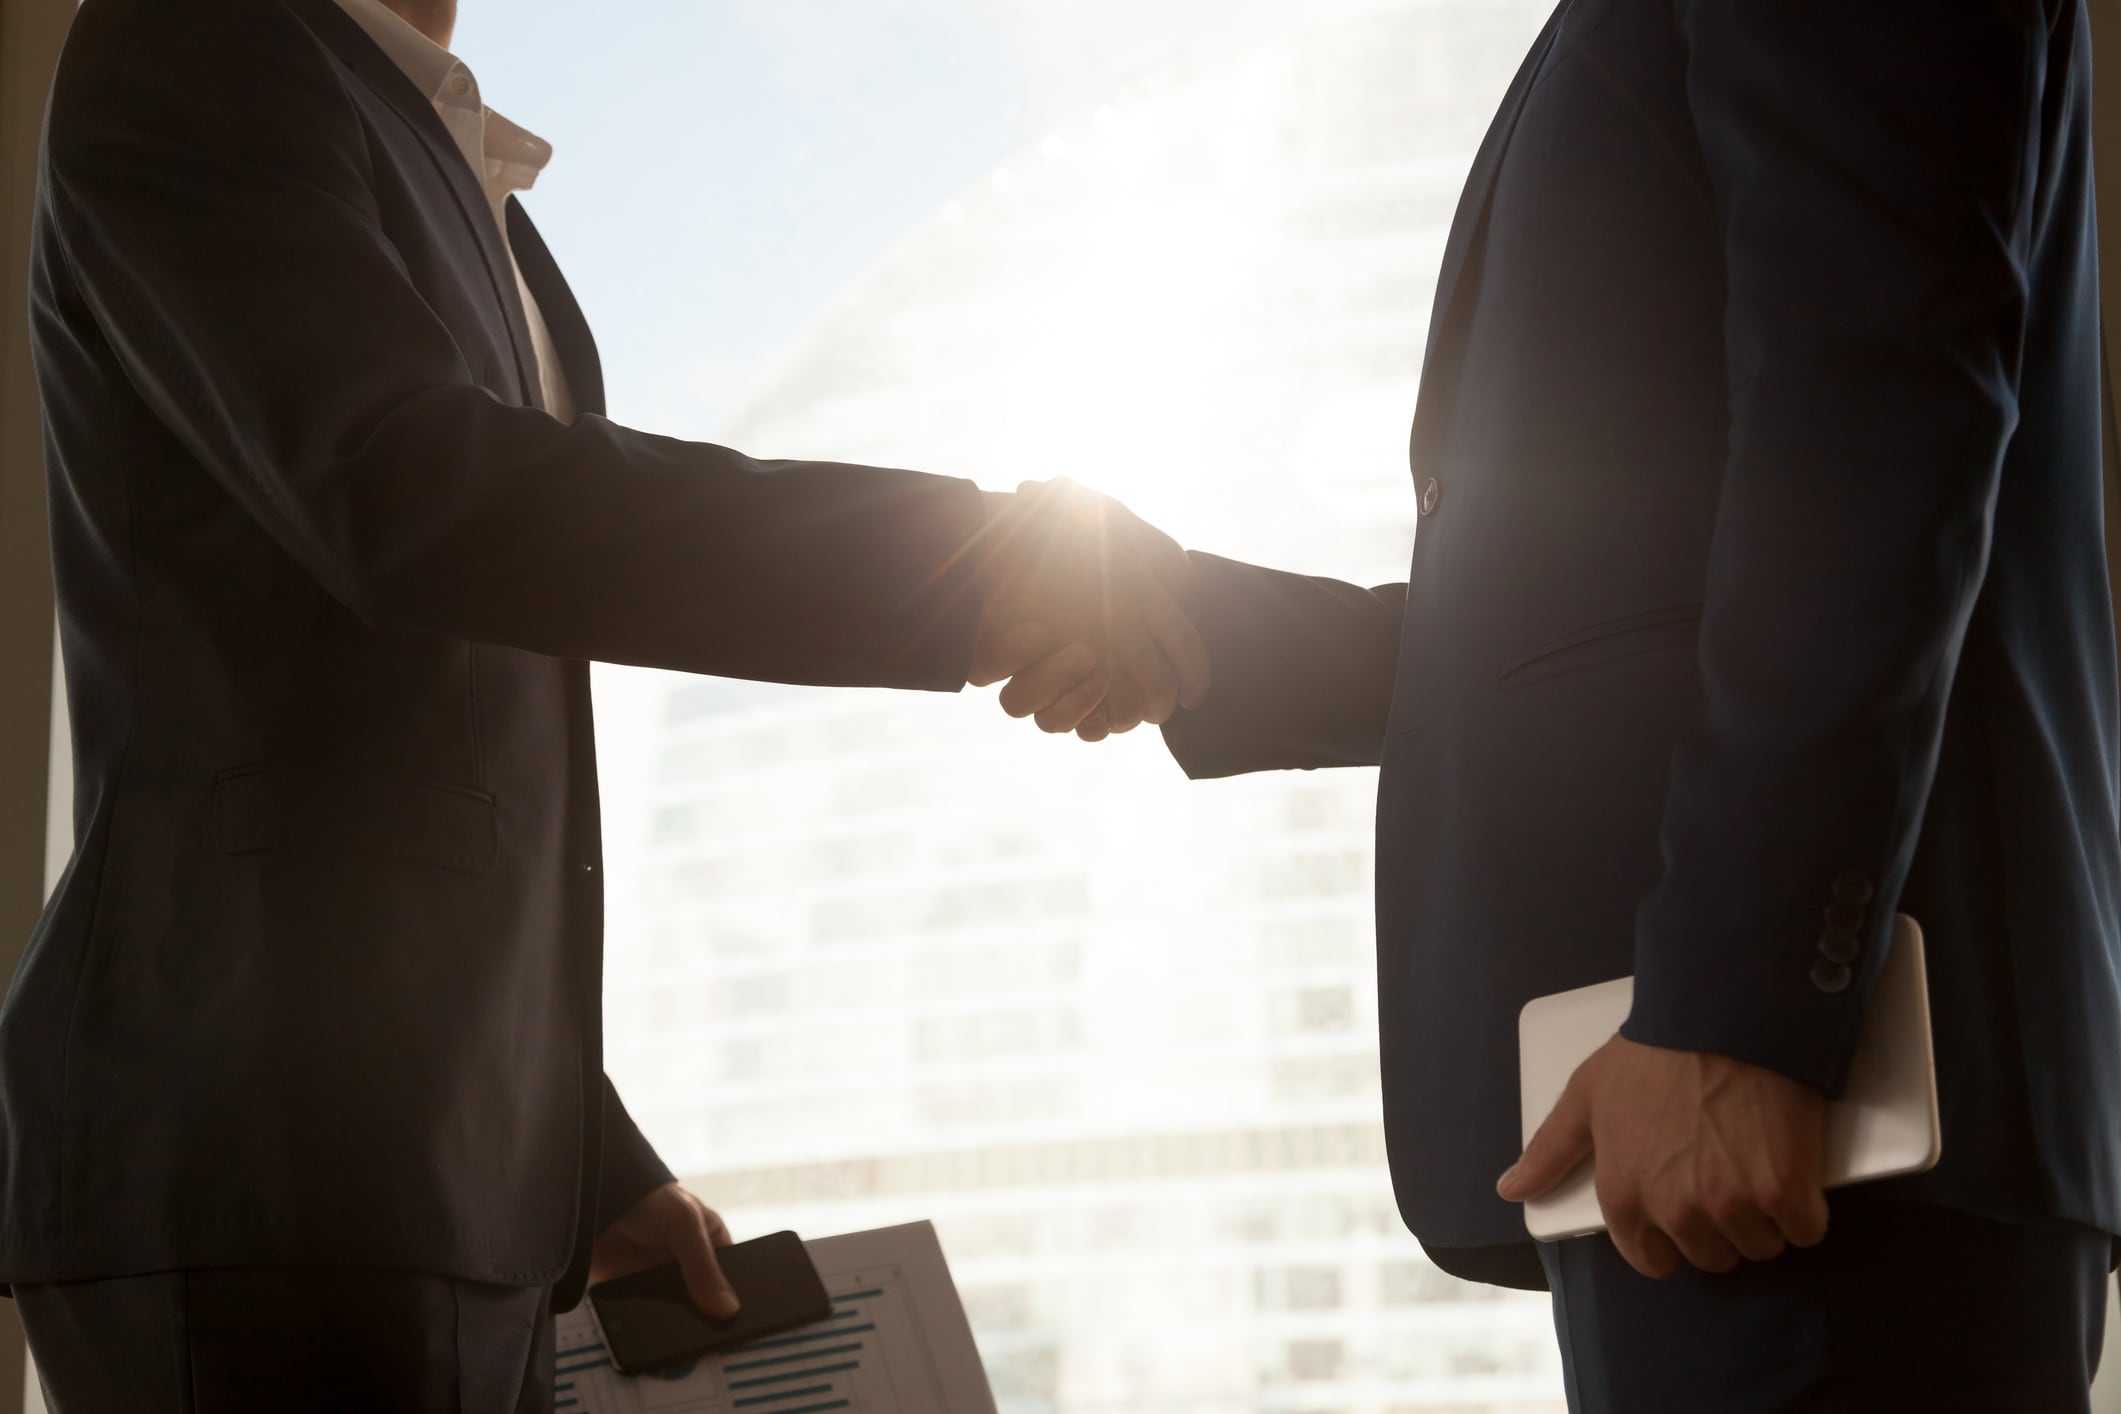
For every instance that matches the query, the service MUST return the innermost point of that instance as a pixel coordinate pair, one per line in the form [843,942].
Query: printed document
[896,1343]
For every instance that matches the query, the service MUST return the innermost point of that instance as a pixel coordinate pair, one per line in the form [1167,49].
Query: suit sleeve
[1303,671]
[220,220]
[1870,166]
[631,1167]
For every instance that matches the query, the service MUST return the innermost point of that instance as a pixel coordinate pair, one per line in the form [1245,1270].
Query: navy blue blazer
[1759,591]
[321,984]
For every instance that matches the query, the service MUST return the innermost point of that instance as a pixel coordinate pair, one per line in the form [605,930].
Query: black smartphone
[650,1323]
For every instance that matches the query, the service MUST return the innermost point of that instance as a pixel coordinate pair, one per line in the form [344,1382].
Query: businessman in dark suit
[303,1099]
[1759,594]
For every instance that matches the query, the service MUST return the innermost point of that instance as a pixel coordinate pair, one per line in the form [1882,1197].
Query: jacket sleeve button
[1846,917]
[1830,976]
[1839,945]
[1853,888]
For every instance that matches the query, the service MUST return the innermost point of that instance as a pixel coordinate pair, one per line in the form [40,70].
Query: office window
[882,956]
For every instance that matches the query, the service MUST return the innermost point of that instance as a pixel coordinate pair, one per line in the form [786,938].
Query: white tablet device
[1885,1124]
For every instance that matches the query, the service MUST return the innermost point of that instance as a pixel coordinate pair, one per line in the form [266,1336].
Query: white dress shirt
[504,157]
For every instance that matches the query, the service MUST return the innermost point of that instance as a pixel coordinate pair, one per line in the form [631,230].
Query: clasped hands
[1084,613]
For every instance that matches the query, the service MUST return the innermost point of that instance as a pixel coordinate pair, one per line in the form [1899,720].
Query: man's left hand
[669,1225]
[1700,1156]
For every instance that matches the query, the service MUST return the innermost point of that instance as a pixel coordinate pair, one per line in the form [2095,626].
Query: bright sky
[723,166]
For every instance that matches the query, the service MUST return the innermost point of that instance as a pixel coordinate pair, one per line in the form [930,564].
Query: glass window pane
[876,957]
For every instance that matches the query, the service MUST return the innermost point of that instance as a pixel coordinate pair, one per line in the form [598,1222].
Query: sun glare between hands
[1083,615]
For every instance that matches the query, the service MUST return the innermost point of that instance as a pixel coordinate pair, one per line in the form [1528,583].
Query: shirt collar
[514,156]
[425,62]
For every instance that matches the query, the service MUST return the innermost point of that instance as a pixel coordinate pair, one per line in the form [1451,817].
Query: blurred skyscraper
[880,956]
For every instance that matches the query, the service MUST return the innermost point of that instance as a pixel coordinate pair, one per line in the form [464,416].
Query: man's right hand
[669,1224]
[1083,614]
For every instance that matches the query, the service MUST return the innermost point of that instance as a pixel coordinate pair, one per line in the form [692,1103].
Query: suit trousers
[319,1340]
[1904,1306]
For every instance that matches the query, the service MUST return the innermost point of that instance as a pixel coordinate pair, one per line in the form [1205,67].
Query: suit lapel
[360,54]
[1470,222]
[571,337]
[1472,212]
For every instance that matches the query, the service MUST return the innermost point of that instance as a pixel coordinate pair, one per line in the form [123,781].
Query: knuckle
[1685,1235]
[1793,1206]
[1656,1260]
[1727,1206]
[1696,1232]
[1635,1238]
[1623,1211]
[1666,1212]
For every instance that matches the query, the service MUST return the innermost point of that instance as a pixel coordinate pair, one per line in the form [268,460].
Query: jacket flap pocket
[260,808]
[1646,632]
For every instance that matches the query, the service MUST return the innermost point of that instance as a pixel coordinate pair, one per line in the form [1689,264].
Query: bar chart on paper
[896,1340]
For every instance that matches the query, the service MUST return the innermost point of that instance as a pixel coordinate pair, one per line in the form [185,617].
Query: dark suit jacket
[1759,590]
[321,984]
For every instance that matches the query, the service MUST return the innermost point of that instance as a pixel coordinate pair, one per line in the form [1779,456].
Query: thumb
[1008,653]
[693,1246]
[1559,1145]
[1180,642]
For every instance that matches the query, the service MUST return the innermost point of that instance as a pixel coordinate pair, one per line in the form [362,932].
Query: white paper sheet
[896,1343]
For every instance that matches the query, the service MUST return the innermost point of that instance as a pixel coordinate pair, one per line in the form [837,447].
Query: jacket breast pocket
[258,809]
[1650,631]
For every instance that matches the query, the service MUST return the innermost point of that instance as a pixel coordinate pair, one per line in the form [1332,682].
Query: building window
[875,957]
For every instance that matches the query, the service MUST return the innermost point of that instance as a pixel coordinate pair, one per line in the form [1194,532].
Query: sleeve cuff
[630,1168]
[1781,988]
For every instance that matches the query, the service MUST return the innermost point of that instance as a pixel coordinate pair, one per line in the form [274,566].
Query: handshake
[1084,613]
